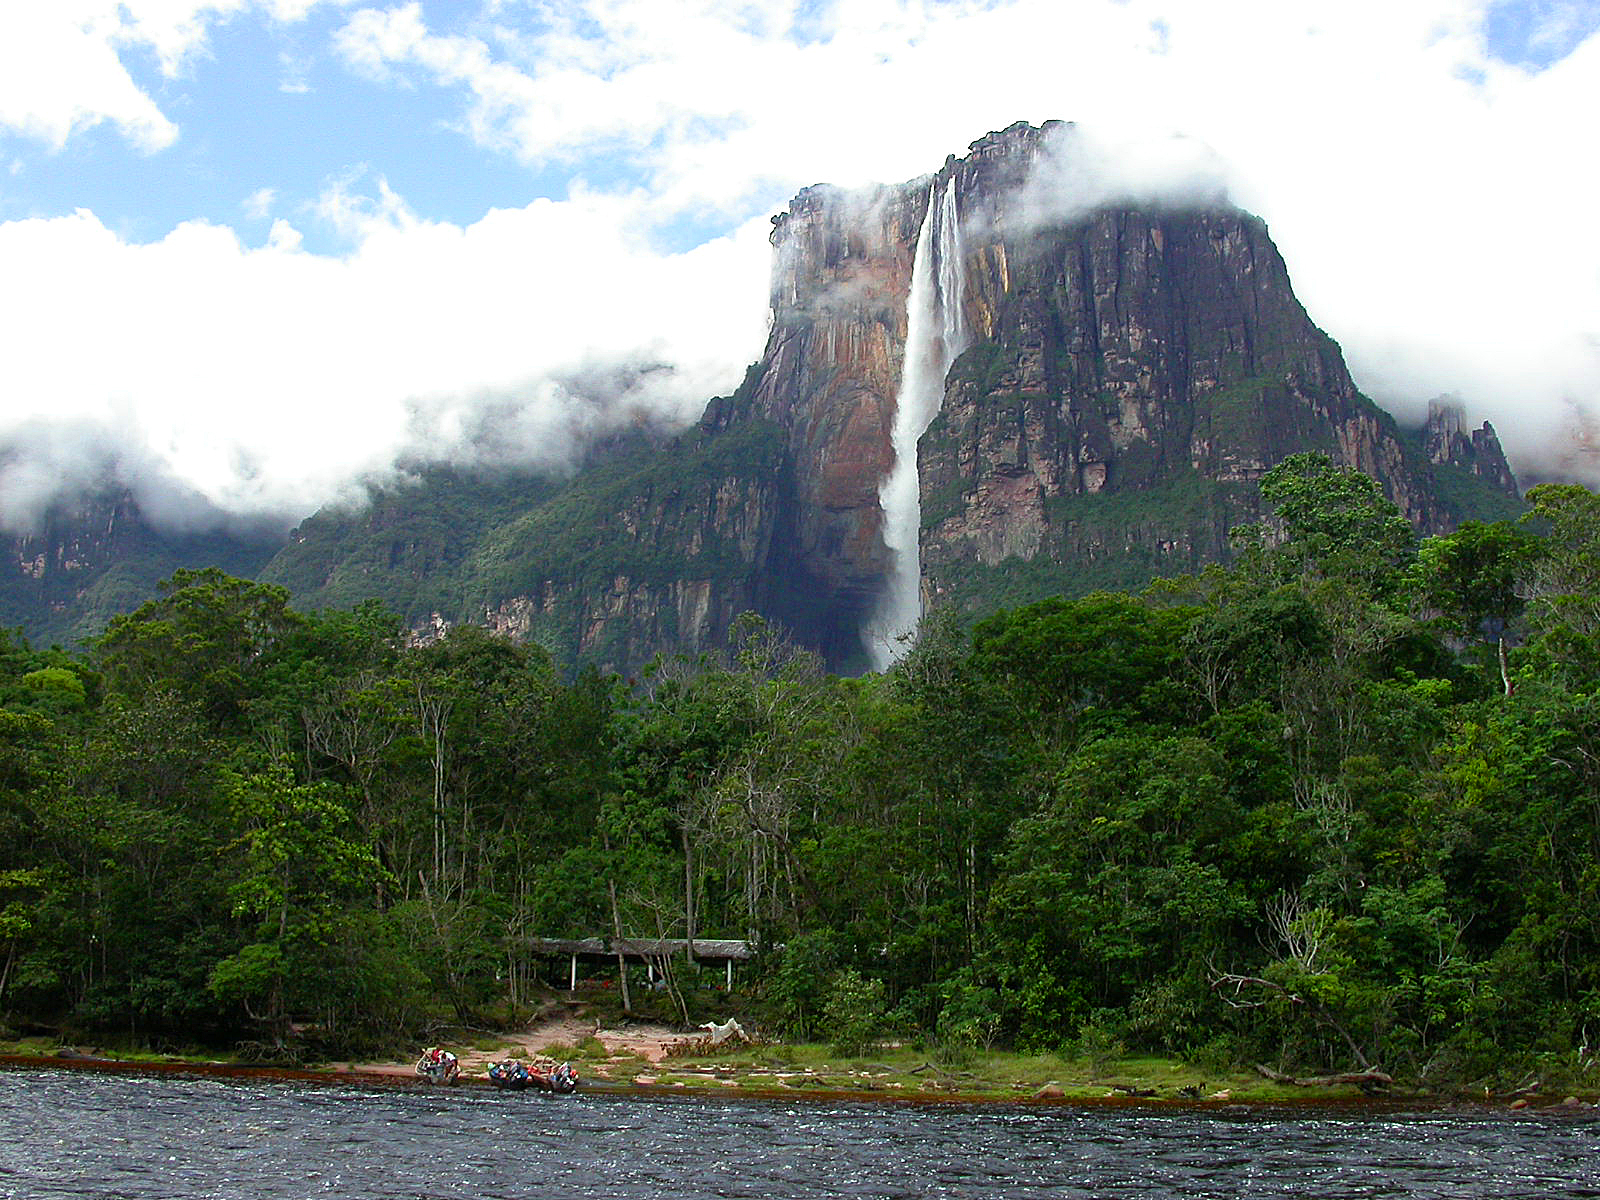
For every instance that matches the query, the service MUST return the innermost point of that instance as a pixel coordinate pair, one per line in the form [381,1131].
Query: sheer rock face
[842,271]
[1148,363]
[1132,371]
[98,554]
[1119,350]
[831,370]
[1448,441]
[688,614]
[720,534]
[1133,350]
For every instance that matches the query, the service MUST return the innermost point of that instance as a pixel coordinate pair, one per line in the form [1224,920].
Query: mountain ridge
[1133,369]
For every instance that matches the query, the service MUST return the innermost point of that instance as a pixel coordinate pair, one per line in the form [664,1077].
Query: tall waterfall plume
[936,332]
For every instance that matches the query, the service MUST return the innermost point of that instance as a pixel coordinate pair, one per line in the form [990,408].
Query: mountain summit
[1120,375]
[1000,381]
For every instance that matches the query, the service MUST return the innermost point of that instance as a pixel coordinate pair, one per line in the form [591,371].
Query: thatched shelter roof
[639,949]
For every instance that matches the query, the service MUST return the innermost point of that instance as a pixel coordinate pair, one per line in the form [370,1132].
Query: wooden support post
[572,985]
[730,974]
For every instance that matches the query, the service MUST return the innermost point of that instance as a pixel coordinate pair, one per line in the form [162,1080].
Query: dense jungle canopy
[1334,805]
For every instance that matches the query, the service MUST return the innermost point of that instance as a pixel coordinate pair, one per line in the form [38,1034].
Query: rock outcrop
[94,556]
[1134,370]
[1450,443]
[666,558]
[1127,372]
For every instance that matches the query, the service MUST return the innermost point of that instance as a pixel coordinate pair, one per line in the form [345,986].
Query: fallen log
[1367,1081]
[938,1070]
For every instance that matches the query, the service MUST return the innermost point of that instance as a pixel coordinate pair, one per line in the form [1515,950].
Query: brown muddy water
[75,1134]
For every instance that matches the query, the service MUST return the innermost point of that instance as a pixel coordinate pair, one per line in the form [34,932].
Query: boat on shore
[514,1075]
[439,1066]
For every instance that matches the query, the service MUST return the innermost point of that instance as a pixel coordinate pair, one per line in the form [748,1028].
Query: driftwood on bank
[1367,1081]
[719,1037]
[729,1031]
[938,1070]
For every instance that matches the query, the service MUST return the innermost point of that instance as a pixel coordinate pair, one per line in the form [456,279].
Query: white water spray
[936,333]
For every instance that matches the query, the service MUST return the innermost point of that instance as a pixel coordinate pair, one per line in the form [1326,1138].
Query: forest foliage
[1334,805]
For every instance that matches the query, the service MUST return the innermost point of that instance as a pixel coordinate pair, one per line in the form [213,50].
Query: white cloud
[1091,167]
[60,72]
[1433,203]
[62,67]
[268,379]
[258,204]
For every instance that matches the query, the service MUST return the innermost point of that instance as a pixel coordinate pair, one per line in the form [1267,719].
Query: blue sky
[265,248]
[264,104]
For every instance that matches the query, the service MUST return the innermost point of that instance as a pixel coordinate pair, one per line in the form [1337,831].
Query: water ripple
[142,1138]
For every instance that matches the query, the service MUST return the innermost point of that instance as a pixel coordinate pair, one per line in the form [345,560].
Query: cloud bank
[1081,169]
[270,379]
[1431,192]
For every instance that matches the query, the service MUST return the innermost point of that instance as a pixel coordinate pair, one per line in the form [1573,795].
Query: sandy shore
[853,1085]
[549,1035]
[635,1055]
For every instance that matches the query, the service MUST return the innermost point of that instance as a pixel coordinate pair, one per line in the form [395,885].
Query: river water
[67,1134]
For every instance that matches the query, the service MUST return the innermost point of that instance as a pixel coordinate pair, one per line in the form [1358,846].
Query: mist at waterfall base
[936,334]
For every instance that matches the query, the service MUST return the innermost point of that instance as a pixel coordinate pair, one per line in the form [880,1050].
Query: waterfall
[936,333]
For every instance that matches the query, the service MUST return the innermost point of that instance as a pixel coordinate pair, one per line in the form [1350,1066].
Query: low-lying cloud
[1468,309]
[1082,168]
[271,380]
[1432,197]
[48,462]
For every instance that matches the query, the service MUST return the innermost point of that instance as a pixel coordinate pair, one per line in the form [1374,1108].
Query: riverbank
[651,1059]
[656,1057]
[164,1138]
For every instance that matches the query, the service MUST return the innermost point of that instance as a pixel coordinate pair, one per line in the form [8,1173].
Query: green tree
[1475,579]
[1564,591]
[1337,520]
[297,870]
[210,637]
[1118,884]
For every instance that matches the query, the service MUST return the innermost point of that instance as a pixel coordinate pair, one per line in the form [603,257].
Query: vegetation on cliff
[1329,808]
